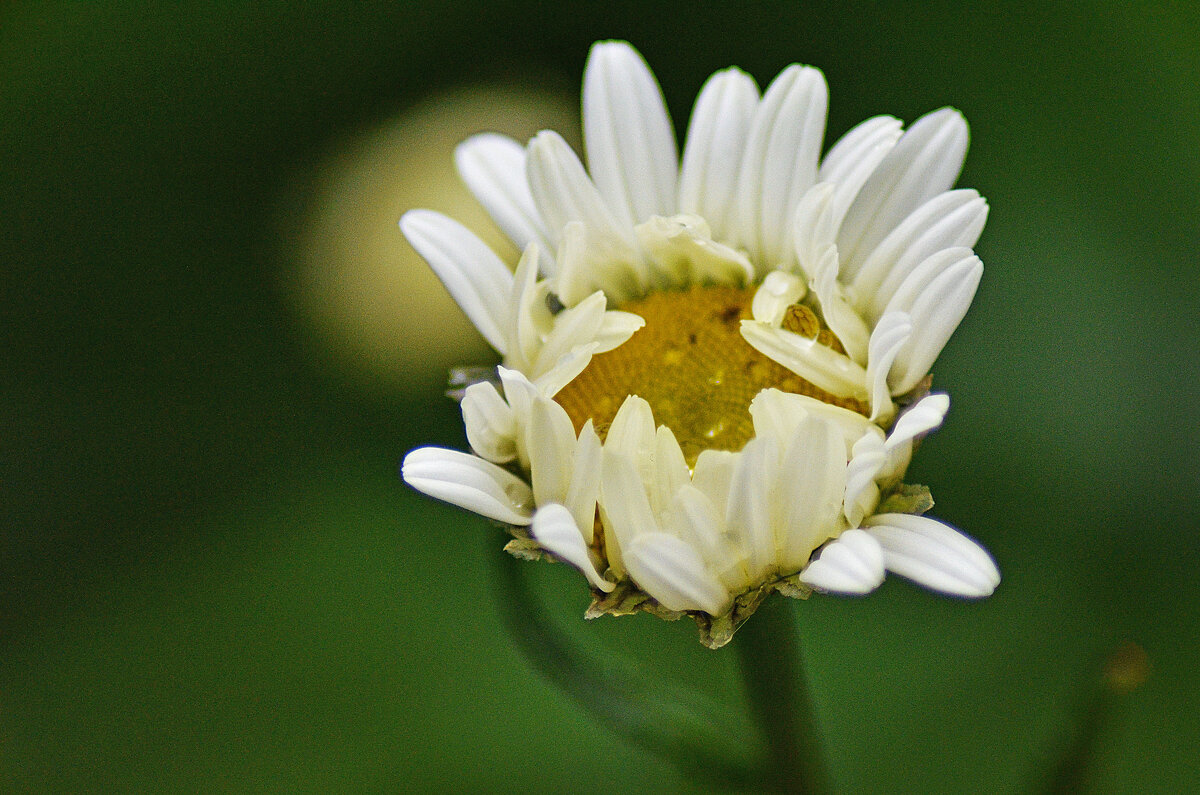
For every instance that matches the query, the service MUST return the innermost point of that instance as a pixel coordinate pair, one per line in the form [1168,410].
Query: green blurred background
[211,577]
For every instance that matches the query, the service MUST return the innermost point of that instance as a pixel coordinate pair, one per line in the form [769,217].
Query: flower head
[714,372]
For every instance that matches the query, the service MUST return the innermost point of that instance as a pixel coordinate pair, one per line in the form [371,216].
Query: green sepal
[907,498]
[525,549]
[624,600]
[792,588]
[716,631]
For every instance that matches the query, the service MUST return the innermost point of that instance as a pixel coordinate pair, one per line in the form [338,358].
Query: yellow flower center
[691,364]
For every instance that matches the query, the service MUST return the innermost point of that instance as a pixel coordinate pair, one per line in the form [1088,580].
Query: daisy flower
[715,367]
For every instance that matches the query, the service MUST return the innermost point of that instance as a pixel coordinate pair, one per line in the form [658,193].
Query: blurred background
[217,347]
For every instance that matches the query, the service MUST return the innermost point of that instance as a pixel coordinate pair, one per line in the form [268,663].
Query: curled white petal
[853,563]
[530,318]
[632,430]
[683,252]
[841,318]
[519,393]
[469,482]
[890,335]
[476,278]
[566,369]
[809,359]
[934,554]
[713,475]
[670,469]
[490,423]
[576,325]
[554,528]
[778,291]
[777,414]
[751,498]
[866,462]
[697,521]
[920,418]
[615,329]
[628,135]
[673,573]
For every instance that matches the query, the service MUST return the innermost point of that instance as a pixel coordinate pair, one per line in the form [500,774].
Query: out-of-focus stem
[775,684]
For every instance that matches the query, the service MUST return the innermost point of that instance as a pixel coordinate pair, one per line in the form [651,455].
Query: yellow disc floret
[691,364]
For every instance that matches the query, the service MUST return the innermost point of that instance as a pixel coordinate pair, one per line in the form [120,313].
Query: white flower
[714,372]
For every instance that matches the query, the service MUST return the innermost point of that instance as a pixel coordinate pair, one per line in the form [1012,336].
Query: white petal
[673,573]
[780,163]
[694,518]
[776,415]
[624,505]
[850,164]
[776,293]
[586,263]
[563,193]
[697,521]
[934,554]
[814,227]
[670,469]
[924,163]
[683,252]
[628,136]
[615,329]
[858,144]
[554,528]
[519,393]
[476,278]
[632,433]
[809,359]
[576,325]
[585,481]
[530,318]
[713,475]
[469,482]
[921,418]
[751,494]
[889,336]
[566,369]
[936,313]
[490,423]
[812,484]
[493,167]
[952,219]
[716,137]
[551,443]
[841,318]
[850,564]
[862,493]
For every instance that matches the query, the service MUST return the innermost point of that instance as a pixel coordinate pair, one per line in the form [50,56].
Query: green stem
[640,705]
[774,677]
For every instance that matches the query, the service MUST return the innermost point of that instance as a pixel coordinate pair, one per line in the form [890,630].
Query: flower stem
[774,678]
